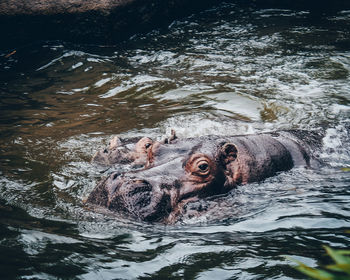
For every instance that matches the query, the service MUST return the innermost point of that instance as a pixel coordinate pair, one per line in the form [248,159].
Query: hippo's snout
[137,191]
[139,198]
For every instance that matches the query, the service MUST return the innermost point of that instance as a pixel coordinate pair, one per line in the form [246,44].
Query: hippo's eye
[200,166]
[203,168]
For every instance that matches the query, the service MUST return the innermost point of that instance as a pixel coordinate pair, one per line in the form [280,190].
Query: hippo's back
[303,146]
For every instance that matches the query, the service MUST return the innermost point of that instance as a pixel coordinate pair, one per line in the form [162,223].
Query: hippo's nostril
[115,175]
[140,186]
[165,186]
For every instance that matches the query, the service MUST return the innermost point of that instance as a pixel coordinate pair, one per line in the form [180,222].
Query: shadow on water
[229,70]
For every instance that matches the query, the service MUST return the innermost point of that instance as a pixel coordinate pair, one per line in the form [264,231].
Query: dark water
[228,70]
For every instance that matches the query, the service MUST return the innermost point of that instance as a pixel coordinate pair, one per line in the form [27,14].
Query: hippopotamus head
[180,171]
[129,151]
[123,153]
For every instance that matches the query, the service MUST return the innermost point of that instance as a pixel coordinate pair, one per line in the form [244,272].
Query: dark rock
[87,21]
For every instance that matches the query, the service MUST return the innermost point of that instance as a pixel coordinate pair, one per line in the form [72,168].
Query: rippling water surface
[229,70]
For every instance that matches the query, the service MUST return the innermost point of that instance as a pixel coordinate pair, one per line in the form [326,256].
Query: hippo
[171,173]
[127,152]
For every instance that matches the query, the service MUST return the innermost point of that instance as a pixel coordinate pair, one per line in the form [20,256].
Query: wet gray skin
[180,171]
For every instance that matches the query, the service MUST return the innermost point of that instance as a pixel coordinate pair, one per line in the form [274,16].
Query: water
[229,70]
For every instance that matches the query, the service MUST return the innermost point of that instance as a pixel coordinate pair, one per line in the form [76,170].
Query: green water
[229,70]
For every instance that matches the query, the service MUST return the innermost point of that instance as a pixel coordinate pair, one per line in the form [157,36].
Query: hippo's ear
[228,153]
[114,143]
[167,140]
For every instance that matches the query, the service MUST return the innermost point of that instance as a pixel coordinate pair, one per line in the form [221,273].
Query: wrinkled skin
[179,171]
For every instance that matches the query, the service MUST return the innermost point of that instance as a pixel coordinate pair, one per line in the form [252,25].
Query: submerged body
[178,171]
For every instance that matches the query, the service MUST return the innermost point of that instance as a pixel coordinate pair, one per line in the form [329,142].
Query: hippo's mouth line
[139,187]
[139,196]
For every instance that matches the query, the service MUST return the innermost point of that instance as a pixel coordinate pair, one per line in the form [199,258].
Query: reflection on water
[229,70]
